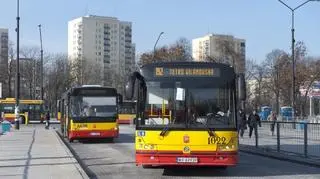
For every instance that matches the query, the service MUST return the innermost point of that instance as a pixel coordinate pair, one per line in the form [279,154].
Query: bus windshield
[193,105]
[127,107]
[93,106]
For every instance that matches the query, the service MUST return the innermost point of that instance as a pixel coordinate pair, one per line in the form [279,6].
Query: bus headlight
[230,146]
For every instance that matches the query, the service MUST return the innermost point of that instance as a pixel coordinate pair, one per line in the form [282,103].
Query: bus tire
[222,167]
[110,140]
[71,140]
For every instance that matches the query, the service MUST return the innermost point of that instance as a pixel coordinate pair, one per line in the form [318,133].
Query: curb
[280,156]
[83,169]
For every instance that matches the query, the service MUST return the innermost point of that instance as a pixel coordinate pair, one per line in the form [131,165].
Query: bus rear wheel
[147,166]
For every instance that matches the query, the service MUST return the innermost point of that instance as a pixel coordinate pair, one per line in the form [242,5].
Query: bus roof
[21,101]
[76,90]
[187,63]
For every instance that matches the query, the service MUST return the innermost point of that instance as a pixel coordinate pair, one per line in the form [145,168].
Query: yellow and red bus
[30,110]
[127,112]
[89,111]
[186,114]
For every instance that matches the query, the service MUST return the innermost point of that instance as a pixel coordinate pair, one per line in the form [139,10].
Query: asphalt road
[116,160]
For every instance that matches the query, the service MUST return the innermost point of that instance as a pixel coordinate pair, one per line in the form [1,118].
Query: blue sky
[265,24]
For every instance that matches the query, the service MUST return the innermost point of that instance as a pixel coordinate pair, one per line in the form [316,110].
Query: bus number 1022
[217,140]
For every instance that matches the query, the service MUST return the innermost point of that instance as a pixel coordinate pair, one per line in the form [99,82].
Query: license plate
[95,133]
[187,160]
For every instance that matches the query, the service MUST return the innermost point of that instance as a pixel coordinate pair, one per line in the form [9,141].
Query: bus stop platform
[34,152]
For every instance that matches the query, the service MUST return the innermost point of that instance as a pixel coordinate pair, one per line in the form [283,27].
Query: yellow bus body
[219,150]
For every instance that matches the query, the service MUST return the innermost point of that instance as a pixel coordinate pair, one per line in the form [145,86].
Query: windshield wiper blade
[210,131]
[164,131]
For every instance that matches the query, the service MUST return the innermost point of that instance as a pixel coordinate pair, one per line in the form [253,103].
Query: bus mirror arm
[241,87]
[129,91]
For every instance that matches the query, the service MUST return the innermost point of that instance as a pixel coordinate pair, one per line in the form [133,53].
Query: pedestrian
[242,122]
[273,118]
[48,119]
[253,122]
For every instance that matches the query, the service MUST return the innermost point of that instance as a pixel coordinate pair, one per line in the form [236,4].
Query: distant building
[4,43]
[221,48]
[104,40]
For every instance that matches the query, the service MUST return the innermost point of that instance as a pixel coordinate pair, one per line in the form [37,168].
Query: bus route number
[217,140]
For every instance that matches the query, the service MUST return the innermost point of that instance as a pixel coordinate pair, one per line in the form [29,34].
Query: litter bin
[6,126]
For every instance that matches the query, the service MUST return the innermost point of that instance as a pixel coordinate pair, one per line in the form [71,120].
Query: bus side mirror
[241,87]
[129,91]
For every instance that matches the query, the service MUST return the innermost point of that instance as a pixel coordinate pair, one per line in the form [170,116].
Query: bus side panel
[93,130]
[187,148]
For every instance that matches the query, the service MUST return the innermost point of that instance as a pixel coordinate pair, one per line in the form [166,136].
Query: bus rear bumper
[93,134]
[125,121]
[217,159]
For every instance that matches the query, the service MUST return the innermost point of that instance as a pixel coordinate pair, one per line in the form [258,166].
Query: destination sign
[184,72]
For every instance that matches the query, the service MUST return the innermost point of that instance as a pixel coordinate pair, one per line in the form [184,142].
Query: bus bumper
[125,121]
[216,159]
[93,134]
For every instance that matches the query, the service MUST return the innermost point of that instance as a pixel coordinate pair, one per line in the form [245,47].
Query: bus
[186,113]
[89,111]
[30,110]
[127,112]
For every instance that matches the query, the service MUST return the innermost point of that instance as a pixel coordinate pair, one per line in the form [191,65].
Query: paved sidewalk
[33,152]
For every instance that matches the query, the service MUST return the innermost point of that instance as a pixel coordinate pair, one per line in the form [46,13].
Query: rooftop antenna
[86,13]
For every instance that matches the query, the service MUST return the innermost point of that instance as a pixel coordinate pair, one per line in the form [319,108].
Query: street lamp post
[17,94]
[41,64]
[292,48]
[154,48]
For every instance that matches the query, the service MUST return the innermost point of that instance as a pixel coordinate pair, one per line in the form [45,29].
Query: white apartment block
[212,46]
[4,42]
[104,40]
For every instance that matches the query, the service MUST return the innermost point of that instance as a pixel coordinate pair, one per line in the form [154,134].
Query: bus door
[160,112]
[34,112]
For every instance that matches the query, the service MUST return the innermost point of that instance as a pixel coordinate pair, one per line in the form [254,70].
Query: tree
[274,65]
[228,52]
[58,79]
[86,71]
[29,71]
[178,51]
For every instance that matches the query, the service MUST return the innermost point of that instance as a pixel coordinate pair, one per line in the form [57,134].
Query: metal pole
[17,95]
[293,55]
[41,63]
[154,48]
[293,67]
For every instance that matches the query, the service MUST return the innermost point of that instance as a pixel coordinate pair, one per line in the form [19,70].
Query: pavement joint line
[280,156]
[88,173]
[76,163]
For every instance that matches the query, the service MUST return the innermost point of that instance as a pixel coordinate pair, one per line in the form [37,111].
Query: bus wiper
[210,130]
[164,131]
